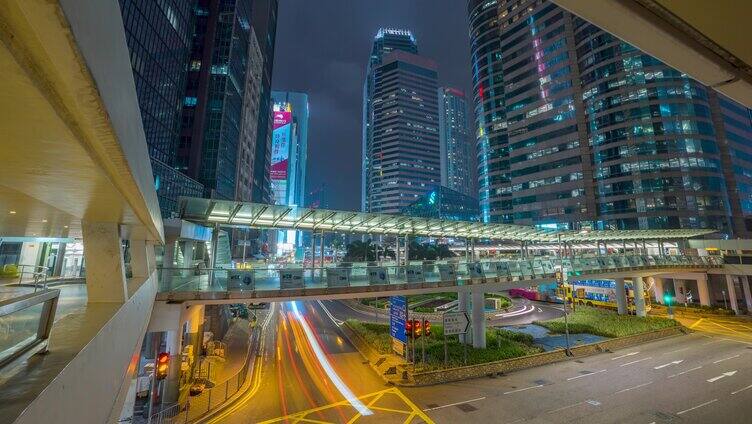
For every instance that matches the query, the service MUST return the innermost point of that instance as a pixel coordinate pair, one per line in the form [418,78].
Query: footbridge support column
[747,293]
[621,296]
[702,288]
[731,289]
[478,320]
[638,287]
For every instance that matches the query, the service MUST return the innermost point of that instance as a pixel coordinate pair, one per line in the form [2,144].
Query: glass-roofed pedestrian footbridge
[542,253]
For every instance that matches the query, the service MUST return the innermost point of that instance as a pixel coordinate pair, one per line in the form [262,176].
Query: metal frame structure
[285,217]
[47,317]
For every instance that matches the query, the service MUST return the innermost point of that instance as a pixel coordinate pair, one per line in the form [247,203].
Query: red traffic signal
[426,327]
[408,328]
[163,364]
[417,327]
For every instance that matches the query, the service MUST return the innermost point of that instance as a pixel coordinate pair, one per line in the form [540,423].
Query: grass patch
[377,335]
[602,322]
[501,344]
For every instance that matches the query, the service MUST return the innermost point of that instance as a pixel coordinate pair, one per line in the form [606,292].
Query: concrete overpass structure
[75,165]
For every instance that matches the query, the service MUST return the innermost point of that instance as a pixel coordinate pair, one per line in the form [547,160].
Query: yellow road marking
[412,411]
[696,322]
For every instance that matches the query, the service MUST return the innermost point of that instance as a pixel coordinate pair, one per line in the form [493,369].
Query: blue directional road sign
[397,317]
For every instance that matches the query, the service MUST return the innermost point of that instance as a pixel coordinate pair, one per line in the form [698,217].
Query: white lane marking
[742,389]
[725,374]
[565,407]
[726,359]
[695,407]
[669,364]
[585,375]
[523,389]
[634,362]
[517,313]
[634,387]
[685,372]
[454,404]
[540,310]
[625,355]
[676,351]
[336,321]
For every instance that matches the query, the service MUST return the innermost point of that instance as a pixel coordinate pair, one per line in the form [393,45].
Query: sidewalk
[237,341]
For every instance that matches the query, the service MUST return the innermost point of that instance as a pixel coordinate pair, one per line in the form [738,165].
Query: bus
[602,293]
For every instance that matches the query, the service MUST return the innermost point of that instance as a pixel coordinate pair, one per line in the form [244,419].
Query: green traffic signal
[667,298]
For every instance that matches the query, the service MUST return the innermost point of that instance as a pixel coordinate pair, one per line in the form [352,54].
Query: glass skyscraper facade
[158,35]
[455,148]
[289,147]
[444,203]
[576,127]
[386,41]
[212,106]
[401,124]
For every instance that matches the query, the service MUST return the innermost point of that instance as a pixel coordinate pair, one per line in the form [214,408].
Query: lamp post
[564,291]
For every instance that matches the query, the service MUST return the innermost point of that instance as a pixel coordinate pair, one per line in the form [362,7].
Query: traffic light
[417,327]
[163,364]
[667,298]
[408,328]
[426,327]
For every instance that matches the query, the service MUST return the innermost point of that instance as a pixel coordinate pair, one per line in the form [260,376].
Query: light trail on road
[324,361]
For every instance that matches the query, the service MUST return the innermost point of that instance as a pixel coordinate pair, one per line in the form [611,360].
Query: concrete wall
[92,387]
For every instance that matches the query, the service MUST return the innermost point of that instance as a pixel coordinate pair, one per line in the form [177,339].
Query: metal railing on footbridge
[274,279]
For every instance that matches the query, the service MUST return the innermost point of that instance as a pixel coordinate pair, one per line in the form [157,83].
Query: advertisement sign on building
[282,132]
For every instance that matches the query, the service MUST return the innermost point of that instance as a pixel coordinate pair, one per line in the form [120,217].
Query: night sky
[322,49]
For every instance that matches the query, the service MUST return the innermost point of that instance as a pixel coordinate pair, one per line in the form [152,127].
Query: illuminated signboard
[281,145]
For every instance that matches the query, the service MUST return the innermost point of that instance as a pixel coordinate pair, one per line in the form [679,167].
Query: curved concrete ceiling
[707,40]
[63,158]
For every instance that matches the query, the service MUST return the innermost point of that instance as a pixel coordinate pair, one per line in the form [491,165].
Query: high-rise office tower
[265,27]
[386,41]
[249,122]
[213,103]
[401,124]
[289,157]
[158,35]
[576,127]
[455,148]
[289,147]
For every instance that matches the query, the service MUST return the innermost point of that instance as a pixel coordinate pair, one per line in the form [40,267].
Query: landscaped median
[602,322]
[506,350]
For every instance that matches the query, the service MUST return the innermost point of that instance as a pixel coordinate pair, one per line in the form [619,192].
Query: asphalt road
[523,312]
[310,371]
[700,378]
[694,379]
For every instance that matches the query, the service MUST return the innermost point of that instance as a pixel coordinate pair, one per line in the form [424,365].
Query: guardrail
[25,323]
[448,273]
[38,274]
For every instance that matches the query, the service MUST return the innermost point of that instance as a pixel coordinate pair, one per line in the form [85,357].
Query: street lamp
[564,295]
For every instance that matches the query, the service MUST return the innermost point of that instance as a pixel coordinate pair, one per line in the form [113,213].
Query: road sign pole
[446,352]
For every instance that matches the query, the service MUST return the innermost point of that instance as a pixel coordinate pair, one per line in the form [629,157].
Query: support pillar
[747,294]
[731,289]
[321,248]
[57,270]
[105,269]
[463,299]
[703,292]
[478,320]
[638,287]
[397,248]
[621,296]
[172,382]
[473,248]
[658,289]
[407,249]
